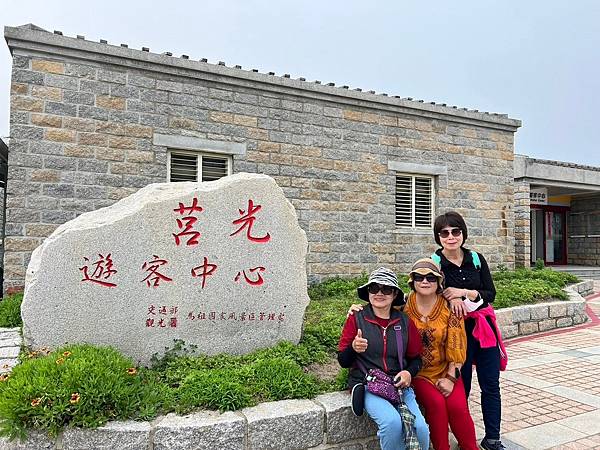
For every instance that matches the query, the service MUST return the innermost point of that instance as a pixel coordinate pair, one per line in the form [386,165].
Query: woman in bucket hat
[382,337]
[438,386]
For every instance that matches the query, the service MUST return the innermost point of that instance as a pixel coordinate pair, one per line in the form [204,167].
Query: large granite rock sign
[220,265]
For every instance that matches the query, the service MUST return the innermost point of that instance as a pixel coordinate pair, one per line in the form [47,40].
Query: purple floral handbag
[381,384]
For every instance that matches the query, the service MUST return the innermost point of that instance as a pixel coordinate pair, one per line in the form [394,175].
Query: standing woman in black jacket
[469,291]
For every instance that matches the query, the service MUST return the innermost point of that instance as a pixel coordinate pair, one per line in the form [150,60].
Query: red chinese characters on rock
[255,280]
[154,277]
[102,271]
[203,271]
[186,224]
[247,221]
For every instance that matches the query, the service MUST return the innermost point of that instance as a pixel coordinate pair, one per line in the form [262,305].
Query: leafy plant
[10,311]
[78,385]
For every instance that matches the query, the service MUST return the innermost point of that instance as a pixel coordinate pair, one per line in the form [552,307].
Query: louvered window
[189,166]
[414,201]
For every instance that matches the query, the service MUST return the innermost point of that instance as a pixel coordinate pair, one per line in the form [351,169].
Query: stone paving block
[342,424]
[521,314]
[539,312]
[564,322]
[7,364]
[528,327]
[204,430]
[127,435]
[543,436]
[9,352]
[284,425]
[557,310]
[34,441]
[509,331]
[10,341]
[547,324]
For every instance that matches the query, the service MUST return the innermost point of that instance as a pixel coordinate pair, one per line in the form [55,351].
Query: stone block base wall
[323,423]
[524,320]
[584,231]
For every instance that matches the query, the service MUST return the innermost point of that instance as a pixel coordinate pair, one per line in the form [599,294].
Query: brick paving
[551,389]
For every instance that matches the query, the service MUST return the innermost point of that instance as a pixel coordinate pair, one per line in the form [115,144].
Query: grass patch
[10,311]
[40,392]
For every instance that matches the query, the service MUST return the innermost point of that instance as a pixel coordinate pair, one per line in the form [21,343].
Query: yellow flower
[132,371]
[60,361]
[45,350]
[74,398]
[35,402]
[67,354]
[32,354]
[4,377]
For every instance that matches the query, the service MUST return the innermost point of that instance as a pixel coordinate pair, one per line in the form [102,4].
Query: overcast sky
[534,60]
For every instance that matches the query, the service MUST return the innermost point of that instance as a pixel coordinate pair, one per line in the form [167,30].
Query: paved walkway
[551,390]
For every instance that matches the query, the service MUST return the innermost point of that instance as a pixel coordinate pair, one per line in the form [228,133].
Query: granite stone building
[93,122]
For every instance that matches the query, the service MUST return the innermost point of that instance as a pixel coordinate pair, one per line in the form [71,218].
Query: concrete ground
[551,388]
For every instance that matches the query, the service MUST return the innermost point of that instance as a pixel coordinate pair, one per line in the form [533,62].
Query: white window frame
[414,170]
[199,155]
[193,145]
[413,204]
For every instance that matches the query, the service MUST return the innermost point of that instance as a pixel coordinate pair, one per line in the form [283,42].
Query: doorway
[549,234]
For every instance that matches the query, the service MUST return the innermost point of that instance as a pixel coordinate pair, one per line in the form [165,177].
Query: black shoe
[492,444]
[358,399]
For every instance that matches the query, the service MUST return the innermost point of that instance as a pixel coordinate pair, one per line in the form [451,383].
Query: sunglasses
[429,277]
[456,232]
[385,290]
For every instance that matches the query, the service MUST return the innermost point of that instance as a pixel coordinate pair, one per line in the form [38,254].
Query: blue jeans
[389,424]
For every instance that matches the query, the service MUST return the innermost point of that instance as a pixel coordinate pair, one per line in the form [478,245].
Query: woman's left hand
[451,293]
[445,386]
[403,379]
[354,308]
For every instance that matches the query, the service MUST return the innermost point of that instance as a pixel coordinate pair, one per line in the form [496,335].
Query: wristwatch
[456,376]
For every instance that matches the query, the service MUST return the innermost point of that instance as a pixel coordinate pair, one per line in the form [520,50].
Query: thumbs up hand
[359,344]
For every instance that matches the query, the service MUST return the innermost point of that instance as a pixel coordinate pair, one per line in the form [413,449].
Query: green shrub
[78,385]
[10,311]
[280,378]
[213,389]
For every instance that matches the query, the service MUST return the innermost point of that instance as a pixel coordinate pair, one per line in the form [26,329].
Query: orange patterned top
[443,336]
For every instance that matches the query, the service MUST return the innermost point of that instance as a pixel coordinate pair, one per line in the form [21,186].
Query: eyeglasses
[418,277]
[456,232]
[385,290]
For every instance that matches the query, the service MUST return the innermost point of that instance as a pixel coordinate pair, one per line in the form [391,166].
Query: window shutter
[214,167]
[184,167]
[403,201]
[423,197]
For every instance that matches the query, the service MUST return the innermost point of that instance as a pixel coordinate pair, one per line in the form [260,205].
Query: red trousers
[441,411]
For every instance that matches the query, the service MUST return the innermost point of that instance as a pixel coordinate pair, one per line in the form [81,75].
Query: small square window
[414,201]
[193,166]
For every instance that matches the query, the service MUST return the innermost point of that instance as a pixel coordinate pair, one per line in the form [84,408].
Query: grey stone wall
[522,224]
[83,117]
[584,231]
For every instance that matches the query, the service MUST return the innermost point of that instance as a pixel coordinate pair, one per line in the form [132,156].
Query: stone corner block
[35,440]
[509,331]
[285,425]
[342,424]
[128,435]
[204,430]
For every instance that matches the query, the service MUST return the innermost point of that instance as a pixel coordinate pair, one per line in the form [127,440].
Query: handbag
[380,383]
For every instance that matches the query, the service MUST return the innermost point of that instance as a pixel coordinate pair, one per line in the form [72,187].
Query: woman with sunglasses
[469,292]
[438,386]
[369,340]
